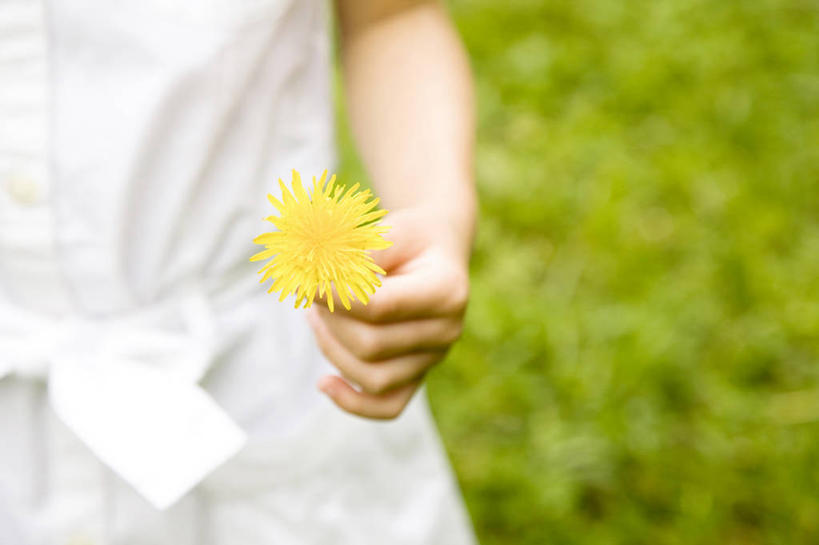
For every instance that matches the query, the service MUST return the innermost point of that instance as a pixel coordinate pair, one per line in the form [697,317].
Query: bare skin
[409,97]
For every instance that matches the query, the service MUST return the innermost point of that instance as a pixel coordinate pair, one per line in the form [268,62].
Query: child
[151,392]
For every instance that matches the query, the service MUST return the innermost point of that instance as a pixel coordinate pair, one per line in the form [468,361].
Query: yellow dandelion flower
[323,240]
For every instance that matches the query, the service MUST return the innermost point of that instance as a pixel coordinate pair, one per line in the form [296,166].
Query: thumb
[406,242]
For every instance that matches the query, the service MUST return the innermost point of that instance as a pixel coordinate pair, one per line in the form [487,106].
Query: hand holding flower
[386,347]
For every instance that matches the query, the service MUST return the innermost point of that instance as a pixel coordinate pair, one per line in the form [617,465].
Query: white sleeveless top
[151,392]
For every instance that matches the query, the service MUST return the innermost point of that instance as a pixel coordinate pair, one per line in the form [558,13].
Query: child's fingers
[407,296]
[378,377]
[374,342]
[385,406]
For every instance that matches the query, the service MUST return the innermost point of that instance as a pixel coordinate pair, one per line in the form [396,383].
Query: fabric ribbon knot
[127,386]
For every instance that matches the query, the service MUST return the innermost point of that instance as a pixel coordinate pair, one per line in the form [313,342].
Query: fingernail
[325,384]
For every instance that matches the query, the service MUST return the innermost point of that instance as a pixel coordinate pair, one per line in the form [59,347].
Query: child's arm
[409,96]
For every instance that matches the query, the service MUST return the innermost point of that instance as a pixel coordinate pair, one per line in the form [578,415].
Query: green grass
[641,358]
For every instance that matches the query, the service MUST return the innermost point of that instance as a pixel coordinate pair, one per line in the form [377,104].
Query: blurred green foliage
[641,358]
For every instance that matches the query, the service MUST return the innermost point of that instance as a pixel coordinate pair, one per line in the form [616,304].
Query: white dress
[151,392]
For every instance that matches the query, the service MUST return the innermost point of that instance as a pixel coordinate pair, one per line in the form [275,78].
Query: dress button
[23,190]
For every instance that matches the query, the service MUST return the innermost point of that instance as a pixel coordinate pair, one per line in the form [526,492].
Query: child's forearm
[409,95]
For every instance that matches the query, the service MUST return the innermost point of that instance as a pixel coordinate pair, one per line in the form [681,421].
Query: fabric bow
[127,386]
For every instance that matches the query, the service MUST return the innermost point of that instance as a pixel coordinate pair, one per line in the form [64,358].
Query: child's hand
[388,345]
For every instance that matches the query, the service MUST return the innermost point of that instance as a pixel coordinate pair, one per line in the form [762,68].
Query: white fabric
[162,448]
[150,391]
